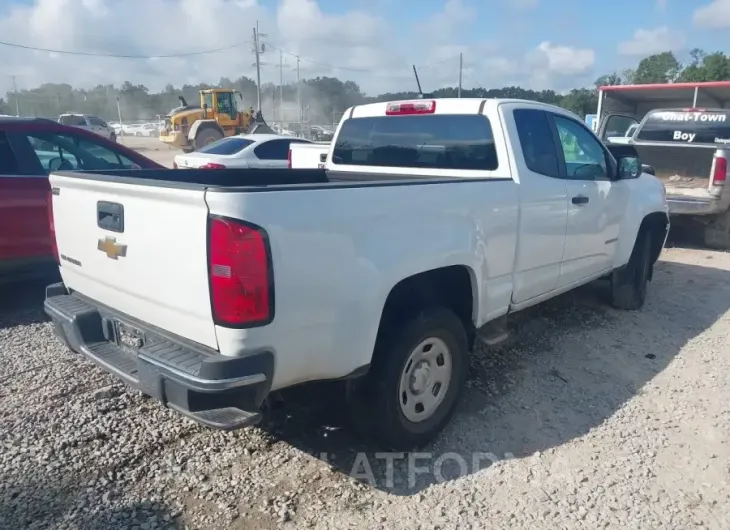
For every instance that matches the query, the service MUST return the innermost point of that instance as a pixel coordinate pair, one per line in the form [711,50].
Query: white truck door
[543,204]
[595,203]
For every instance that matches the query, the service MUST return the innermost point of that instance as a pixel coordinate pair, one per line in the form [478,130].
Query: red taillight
[174,165]
[719,170]
[694,109]
[410,107]
[240,276]
[212,165]
[288,159]
[52,227]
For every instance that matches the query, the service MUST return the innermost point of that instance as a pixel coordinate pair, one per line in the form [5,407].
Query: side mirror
[629,167]
[646,168]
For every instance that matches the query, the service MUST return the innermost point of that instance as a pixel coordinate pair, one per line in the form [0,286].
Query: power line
[123,56]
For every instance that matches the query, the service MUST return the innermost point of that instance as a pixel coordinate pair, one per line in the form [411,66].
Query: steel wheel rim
[425,379]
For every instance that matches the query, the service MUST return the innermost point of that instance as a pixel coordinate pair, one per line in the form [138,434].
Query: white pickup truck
[308,155]
[433,221]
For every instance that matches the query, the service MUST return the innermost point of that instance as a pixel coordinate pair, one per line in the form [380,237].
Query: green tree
[659,68]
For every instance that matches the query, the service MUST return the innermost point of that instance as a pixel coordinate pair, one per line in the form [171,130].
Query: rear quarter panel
[338,252]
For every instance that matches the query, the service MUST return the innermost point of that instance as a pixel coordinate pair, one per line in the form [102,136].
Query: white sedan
[241,151]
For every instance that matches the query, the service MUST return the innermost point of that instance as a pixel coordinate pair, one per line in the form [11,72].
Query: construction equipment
[191,127]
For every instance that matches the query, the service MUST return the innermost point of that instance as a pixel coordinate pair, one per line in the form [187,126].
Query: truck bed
[679,166]
[252,179]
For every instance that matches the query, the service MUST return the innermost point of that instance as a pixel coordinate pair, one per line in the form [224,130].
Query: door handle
[579,199]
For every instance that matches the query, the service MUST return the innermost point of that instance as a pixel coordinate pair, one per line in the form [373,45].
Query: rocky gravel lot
[588,418]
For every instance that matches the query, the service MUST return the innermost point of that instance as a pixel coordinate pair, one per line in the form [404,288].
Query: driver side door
[595,203]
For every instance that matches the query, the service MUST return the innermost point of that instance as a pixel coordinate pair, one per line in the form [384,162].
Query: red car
[30,148]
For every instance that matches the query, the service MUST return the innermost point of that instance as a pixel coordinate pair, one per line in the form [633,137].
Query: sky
[558,44]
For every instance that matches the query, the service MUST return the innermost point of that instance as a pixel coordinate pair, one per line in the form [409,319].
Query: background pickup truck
[434,220]
[308,156]
[688,149]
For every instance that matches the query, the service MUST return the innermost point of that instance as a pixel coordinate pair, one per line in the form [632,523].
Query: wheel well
[449,287]
[656,224]
[207,126]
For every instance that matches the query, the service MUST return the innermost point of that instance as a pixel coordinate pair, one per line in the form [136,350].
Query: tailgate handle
[110,216]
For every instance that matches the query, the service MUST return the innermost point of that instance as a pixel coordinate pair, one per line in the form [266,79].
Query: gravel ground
[589,418]
[152,148]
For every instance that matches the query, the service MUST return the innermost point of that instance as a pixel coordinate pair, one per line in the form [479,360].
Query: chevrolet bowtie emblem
[111,248]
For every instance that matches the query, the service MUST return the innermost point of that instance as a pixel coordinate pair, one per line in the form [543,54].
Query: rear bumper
[177,139]
[688,205]
[214,390]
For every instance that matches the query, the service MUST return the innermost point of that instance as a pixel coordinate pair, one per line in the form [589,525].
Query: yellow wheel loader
[191,127]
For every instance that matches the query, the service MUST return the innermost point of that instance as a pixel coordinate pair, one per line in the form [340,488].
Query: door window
[273,150]
[66,152]
[96,122]
[584,156]
[536,140]
[619,126]
[226,103]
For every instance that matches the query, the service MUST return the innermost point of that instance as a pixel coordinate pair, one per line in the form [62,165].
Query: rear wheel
[418,373]
[717,233]
[138,134]
[206,136]
[629,284]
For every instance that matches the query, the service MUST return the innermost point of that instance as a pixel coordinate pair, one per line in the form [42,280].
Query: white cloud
[715,15]
[371,48]
[650,41]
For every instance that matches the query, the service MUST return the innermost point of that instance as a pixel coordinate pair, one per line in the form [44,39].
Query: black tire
[206,136]
[629,284]
[717,232]
[138,134]
[375,399]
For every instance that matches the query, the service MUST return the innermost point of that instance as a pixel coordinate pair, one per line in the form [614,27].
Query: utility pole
[299,97]
[281,86]
[461,68]
[258,65]
[15,91]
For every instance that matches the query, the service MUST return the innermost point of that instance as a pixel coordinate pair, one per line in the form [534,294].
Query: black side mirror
[646,168]
[629,167]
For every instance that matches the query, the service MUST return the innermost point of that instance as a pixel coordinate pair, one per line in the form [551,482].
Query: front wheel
[414,383]
[629,284]
[207,136]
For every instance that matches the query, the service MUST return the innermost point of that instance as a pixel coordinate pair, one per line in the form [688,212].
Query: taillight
[241,281]
[52,227]
[174,165]
[288,159]
[410,107]
[719,170]
[212,165]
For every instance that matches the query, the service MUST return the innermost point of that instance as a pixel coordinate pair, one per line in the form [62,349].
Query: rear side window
[682,127]
[435,141]
[8,163]
[273,150]
[73,120]
[226,146]
[536,139]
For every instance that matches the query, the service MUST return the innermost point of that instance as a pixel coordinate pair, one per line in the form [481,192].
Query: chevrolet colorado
[433,220]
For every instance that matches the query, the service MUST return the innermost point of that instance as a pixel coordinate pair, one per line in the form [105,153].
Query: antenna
[421,95]
[415,72]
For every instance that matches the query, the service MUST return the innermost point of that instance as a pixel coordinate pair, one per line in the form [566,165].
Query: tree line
[325,98]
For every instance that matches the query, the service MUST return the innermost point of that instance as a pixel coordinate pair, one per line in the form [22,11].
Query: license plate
[128,336]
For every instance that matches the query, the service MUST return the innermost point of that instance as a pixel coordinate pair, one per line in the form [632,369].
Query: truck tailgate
[152,265]
[679,166]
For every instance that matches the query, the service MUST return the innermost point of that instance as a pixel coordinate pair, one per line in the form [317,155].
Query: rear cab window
[74,120]
[226,146]
[423,141]
[711,126]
